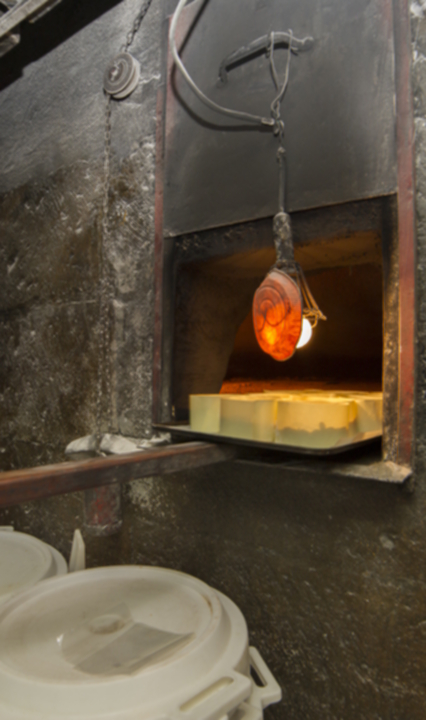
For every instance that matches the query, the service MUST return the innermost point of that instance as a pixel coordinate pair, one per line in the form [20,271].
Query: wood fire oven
[349,191]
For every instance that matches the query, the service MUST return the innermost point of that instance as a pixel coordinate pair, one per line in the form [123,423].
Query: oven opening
[215,348]
[344,353]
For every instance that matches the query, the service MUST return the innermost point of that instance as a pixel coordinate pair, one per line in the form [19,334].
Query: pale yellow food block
[236,417]
[249,417]
[369,405]
[315,419]
[370,417]
[315,423]
[204,413]
[369,410]
[264,419]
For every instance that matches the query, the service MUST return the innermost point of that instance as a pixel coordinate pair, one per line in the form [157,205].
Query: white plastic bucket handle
[217,699]
[270,692]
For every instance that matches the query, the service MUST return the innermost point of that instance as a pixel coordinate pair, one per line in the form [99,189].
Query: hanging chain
[104,365]
[136,25]
[106,286]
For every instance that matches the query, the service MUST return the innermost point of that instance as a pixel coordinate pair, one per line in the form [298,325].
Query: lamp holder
[283,238]
[285,263]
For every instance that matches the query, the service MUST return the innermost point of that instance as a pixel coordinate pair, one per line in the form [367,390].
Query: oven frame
[399,281]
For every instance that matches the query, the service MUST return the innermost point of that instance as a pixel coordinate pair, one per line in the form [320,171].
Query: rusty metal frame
[406,233]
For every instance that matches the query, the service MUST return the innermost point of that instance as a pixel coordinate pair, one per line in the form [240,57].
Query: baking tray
[181,430]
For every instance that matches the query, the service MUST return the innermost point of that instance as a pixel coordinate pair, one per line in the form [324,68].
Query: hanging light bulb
[305,335]
[284,309]
[277,315]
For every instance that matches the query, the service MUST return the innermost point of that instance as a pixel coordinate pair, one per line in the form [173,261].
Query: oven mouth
[216,350]
[205,341]
[345,353]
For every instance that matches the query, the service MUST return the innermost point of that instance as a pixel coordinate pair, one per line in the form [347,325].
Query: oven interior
[214,345]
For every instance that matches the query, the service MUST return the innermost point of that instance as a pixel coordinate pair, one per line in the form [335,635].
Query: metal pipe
[102,510]
[19,486]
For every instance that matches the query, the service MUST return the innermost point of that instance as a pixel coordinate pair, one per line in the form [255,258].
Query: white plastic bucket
[24,561]
[128,643]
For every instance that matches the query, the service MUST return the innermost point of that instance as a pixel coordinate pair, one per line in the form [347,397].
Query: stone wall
[52,184]
[329,573]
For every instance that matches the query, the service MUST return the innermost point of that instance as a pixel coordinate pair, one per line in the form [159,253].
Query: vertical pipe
[102,510]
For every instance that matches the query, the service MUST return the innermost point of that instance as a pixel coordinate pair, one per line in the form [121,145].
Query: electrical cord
[236,114]
[275,122]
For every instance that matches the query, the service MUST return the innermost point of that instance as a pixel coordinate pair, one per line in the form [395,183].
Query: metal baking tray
[183,431]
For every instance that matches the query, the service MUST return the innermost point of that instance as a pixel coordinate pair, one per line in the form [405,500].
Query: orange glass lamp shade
[277,315]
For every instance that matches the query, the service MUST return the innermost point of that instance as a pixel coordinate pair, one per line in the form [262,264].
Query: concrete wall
[331,574]
[52,183]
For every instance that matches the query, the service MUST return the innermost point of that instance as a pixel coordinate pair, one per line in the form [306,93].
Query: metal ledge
[362,469]
[361,460]
[19,486]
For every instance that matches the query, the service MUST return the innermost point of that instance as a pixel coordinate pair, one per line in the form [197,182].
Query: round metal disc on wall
[122,76]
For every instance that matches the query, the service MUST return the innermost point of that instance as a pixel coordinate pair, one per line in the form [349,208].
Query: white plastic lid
[24,561]
[123,643]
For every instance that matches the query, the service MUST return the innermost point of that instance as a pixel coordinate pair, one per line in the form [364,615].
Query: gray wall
[52,128]
[329,573]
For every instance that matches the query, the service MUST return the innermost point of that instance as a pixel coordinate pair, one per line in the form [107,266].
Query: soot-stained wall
[52,140]
[330,573]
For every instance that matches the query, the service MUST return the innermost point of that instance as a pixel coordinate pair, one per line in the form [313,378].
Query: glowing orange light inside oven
[277,315]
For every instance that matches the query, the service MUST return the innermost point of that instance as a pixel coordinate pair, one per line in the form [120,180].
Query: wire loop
[275,122]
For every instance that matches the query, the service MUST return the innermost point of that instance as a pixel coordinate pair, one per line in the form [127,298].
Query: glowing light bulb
[306,333]
[277,315]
